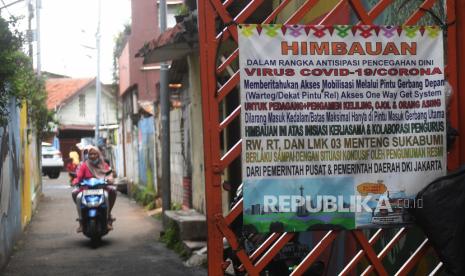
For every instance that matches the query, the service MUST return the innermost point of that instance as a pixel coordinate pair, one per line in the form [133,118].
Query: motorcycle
[72,176]
[94,207]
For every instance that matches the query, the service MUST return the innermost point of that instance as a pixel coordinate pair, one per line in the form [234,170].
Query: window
[172,9]
[82,105]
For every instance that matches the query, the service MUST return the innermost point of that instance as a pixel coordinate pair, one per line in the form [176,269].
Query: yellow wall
[26,202]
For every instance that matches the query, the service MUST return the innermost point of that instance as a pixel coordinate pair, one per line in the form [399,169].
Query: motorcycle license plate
[93,192]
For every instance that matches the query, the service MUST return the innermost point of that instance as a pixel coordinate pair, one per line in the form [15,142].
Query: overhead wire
[5,6]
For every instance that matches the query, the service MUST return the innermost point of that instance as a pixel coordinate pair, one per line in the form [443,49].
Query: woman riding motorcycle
[72,165]
[94,167]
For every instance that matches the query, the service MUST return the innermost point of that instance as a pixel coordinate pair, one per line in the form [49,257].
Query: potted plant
[181,13]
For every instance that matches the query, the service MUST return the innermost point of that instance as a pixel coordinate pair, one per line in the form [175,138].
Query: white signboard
[341,125]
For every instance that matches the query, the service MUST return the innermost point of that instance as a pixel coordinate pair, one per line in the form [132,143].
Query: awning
[107,127]
[174,43]
[76,127]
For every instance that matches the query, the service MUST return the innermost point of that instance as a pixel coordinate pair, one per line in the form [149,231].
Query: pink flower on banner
[296,30]
[388,31]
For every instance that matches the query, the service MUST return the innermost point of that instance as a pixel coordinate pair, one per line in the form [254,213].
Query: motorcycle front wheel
[95,237]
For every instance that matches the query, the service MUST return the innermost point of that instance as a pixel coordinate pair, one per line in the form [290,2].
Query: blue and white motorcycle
[93,206]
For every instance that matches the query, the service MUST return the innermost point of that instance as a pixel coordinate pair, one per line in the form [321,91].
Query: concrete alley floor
[51,246]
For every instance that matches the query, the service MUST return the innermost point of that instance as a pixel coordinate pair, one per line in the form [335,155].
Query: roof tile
[59,90]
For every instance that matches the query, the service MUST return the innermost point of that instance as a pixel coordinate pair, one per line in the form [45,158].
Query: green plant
[144,196]
[158,216]
[18,80]
[176,206]
[182,10]
[171,235]
[150,206]
[172,240]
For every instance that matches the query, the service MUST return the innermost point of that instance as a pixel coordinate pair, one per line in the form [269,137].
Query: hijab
[75,157]
[98,170]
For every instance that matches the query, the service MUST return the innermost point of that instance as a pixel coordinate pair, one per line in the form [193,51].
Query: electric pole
[39,64]
[30,10]
[165,122]
[98,86]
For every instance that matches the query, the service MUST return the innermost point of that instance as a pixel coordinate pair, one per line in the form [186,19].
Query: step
[192,246]
[192,224]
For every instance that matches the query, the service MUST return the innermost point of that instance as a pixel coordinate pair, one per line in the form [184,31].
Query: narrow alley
[51,246]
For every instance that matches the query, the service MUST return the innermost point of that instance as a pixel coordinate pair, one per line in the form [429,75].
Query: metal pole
[30,10]
[460,89]
[97,80]
[165,121]
[39,64]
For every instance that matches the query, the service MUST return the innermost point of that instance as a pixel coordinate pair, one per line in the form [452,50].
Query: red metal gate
[218,156]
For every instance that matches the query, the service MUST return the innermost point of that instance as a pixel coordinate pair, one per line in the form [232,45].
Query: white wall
[69,113]
[176,159]
[197,149]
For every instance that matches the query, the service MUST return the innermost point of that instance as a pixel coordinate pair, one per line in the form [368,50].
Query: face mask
[96,161]
[86,156]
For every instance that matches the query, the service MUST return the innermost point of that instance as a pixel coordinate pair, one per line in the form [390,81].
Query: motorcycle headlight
[92,201]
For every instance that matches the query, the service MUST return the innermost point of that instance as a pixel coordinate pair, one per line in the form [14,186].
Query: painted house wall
[196,135]
[146,158]
[69,114]
[176,156]
[123,68]
[35,176]
[144,27]
[26,202]
[117,152]
[131,147]
[10,184]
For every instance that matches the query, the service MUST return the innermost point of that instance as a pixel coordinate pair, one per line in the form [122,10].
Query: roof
[172,44]
[60,90]
[50,75]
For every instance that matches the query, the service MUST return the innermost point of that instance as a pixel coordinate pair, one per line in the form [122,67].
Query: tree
[18,80]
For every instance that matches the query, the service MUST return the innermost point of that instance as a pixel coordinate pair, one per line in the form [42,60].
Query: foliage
[182,10]
[144,196]
[176,206]
[172,240]
[18,80]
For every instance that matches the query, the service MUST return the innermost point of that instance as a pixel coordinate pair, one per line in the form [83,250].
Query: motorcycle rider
[72,165]
[94,167]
